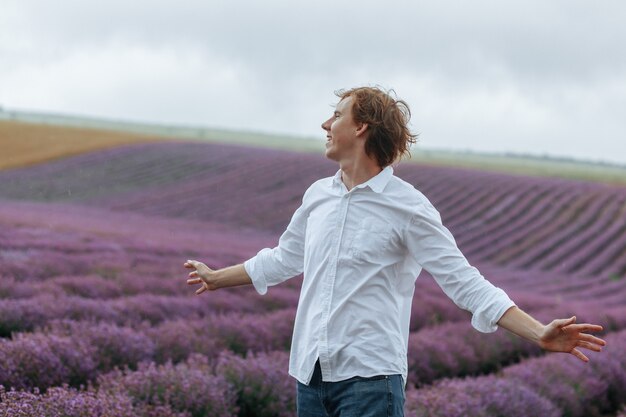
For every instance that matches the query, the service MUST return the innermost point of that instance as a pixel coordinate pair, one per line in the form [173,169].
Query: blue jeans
[379,396]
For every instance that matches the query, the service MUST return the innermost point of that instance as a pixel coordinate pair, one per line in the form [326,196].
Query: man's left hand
[564,335]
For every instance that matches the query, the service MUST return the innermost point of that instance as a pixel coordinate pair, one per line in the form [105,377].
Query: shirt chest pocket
[371,240]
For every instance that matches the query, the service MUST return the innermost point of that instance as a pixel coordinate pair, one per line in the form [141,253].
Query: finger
[579,355]
[592,339]
[587,327]
[193,274]
[590,346]
[190,264]
[194,281]
[201,290]
[561,323]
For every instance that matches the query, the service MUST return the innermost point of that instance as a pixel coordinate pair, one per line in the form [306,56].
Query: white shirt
[361,252]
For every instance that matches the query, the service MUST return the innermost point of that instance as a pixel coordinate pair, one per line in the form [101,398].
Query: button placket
[329,282]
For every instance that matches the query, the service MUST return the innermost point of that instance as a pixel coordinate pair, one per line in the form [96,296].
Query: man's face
[341,132]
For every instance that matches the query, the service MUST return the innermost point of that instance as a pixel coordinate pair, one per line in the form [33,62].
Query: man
[361,238]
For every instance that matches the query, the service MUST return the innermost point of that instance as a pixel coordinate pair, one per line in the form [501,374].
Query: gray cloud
[532,77]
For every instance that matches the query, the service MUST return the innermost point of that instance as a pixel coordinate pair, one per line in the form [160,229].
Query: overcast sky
[535,77]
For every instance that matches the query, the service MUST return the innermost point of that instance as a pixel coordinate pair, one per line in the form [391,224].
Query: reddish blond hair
[387,118]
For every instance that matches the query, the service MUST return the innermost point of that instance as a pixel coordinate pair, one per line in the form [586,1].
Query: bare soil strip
[26,144]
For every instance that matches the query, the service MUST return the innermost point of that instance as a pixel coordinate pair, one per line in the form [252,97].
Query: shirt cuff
[486,320]
[254,269]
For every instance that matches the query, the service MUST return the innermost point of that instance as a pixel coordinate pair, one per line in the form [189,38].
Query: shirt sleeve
[432,245]
[273,266]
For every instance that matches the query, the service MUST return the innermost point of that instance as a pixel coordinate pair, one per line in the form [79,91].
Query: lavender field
[96,318]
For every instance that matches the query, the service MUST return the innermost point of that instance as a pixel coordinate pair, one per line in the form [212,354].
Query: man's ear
[361,129]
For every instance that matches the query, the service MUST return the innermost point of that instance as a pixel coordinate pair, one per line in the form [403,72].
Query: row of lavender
[550,224]
[549,386]
[121,250]
[229,385]
[76,352]
[40,265]
[77,255]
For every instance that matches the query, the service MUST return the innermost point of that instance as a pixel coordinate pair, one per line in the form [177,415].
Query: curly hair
[387,118]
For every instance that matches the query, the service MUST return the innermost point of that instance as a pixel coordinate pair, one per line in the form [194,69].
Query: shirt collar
[376,183]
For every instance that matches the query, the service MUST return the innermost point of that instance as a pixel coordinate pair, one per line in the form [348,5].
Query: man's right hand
[212,280]
[202,275]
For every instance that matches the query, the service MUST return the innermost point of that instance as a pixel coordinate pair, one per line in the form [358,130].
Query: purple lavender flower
[190,386]
[263,386]
[70,402]
[481,397]
[42,361]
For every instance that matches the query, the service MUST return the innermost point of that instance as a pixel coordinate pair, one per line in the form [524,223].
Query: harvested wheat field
[24,144]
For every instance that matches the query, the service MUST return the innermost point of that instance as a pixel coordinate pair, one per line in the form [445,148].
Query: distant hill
[26,139]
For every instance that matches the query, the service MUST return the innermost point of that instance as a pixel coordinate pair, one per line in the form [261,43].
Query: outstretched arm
[562,335]
[212,280]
